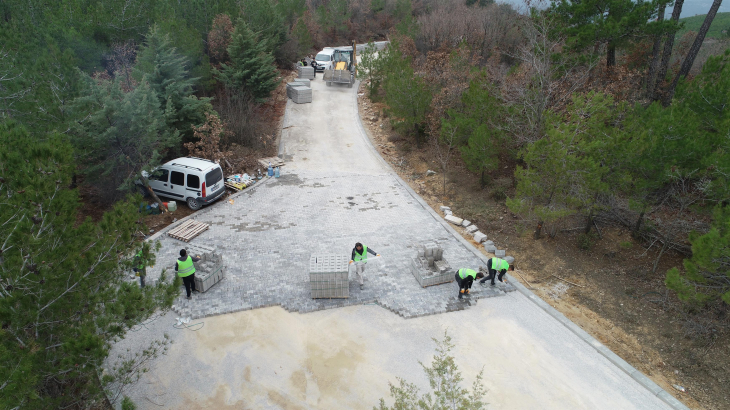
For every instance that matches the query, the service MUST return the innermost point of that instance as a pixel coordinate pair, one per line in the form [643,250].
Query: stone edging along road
[582,334]
[603,350]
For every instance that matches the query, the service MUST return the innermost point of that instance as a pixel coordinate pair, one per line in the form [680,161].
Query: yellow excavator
[345,66]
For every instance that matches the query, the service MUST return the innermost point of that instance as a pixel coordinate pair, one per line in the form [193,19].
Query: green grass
[720,23]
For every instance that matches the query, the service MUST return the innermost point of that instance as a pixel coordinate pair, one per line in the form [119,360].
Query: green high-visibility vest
[140,261]
[499,264]
[364,256]
[185,268]
[464,273]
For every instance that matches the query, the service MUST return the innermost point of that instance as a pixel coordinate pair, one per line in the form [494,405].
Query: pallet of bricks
[328,276]
[305,72]
[299,91]
[429,266]
[209,270]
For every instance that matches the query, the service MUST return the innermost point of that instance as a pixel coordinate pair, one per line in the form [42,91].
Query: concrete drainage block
[479,237]
[465,223]
[509,259]
[500,253]
[472,228]
[453,219]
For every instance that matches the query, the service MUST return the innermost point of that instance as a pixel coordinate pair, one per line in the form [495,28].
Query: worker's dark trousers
[492,273]
[189,282]
[463,283]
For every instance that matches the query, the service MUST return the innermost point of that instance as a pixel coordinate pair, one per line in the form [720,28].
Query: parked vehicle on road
[324,59]
[196,181]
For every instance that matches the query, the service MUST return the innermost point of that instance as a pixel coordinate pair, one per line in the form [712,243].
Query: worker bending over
[360,258]
[186,270]
[495,265]
[465,278]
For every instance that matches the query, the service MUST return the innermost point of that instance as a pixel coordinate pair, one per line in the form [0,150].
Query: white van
[325,59]
[196,181]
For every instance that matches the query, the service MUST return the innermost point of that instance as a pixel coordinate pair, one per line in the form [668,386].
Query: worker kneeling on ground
[465,277]
[495,265]
[186,270]
[360,258]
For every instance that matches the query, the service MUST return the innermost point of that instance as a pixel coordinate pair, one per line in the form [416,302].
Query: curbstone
[453,219]
[465,223]
[472,228]
[444,208]
[479,237]
[500,253]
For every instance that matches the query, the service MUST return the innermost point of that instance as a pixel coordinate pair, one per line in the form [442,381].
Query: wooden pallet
[188,230]
[275,162]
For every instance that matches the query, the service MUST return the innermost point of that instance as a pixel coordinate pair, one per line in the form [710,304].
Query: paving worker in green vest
[495,265]
[360,258]
[186,270]
[140,267]
[465,277]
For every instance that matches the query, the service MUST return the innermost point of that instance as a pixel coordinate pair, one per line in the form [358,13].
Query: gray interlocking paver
[268,234]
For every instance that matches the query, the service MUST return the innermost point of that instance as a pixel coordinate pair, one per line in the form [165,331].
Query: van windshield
[322,57]
[212,177]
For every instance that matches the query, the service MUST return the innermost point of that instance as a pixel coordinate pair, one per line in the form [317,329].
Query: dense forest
[608,111]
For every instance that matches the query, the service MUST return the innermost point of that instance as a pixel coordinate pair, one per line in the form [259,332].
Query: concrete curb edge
[634,373]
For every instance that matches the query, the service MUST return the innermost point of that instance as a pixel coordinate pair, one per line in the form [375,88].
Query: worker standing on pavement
[186,270]
[465,277]
[140,267]
[360,258]
[495,265]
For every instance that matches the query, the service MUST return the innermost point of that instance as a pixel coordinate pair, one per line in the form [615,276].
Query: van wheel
[193,204]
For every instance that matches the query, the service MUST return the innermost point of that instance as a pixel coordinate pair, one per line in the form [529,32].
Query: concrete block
[447,211]
[465,223]
[444,208]
[479,237]
[500,253]
[509,259]
[472,228]
[453,219]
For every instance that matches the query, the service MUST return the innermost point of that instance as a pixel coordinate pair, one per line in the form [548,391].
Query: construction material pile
[429,267]
[328,276]
[300,94]
[305,72]
[209,270]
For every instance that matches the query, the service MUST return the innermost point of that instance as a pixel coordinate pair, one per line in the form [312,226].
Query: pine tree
[252,67]
[614,23]
[445,380]
[566,171]
[121,134]
[166,71]
[706,276]
[408,96]
[477,119]
[64,294]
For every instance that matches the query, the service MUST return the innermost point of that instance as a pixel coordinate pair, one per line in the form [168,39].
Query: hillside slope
[719,24]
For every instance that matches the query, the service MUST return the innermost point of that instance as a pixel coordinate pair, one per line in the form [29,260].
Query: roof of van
[193,163]
[327,50]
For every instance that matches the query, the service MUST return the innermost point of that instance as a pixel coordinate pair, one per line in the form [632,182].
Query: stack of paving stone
[328,276]
[305,72]
[301,94]
[209,270]
[429,266]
